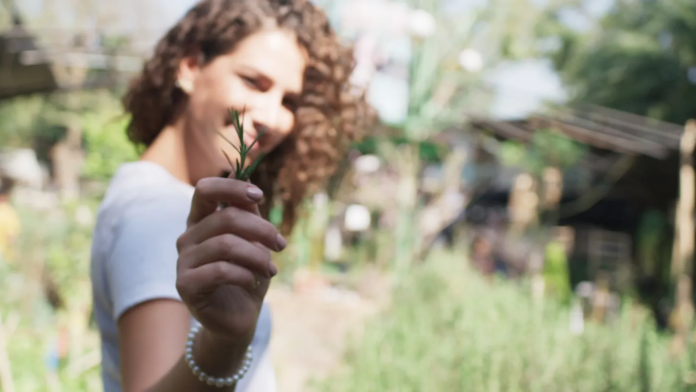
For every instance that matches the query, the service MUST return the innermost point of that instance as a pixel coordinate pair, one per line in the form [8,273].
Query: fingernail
[281,242]
[254,193]
[273,269]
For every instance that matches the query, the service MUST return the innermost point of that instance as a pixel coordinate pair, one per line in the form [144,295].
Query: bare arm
[152,340]
[223,273]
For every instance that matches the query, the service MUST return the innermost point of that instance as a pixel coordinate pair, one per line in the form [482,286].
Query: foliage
[639,57]
[451,330]
[40,121]
[547,148]
[441,93]
[107,147]
[20,118]
[429,152]
[555,271]
[51,346]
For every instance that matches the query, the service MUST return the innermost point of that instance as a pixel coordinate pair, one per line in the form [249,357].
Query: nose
[266,118]
[262,128]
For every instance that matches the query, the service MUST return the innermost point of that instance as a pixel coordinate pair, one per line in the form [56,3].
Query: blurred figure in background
[10,225]
[482,255]
[486,257]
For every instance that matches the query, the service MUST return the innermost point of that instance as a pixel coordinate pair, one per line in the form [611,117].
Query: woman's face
[262,79]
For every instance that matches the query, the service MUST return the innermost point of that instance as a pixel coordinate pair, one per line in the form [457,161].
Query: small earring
[185,85]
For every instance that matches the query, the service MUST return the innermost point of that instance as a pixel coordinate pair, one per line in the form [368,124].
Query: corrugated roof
[599,127]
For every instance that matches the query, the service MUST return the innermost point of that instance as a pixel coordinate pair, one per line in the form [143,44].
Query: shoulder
[139,221]
[143,196]
[141,185]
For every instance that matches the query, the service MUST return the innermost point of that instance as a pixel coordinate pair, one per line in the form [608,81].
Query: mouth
[249,139]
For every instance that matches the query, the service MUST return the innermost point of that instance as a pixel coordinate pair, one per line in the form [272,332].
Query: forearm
[215,358]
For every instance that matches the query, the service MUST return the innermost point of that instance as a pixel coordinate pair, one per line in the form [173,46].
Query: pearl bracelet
[210,380]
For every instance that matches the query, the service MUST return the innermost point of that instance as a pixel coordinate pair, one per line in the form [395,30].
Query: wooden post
[683,250]
[523,206]
[446,207]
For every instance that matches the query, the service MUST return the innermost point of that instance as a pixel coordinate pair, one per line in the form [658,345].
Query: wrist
[232,347]
[211,358]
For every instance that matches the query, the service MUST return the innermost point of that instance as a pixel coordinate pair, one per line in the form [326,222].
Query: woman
[164,254]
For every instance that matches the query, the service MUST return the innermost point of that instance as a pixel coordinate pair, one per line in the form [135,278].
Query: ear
[189,69]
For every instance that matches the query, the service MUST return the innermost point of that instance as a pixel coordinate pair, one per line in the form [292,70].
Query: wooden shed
[16,77]
[634,163]
[650,180]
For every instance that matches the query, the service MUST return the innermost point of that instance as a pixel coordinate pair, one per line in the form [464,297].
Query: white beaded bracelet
[210,380]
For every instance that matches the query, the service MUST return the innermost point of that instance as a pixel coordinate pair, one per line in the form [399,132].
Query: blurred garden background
[522,219]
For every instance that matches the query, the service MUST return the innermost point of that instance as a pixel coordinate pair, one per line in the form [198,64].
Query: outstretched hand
[225,267]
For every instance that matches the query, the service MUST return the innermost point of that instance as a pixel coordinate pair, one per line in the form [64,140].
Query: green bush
[107,144]
[55,257]
[450,330]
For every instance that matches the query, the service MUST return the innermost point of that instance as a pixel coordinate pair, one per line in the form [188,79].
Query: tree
[639,57]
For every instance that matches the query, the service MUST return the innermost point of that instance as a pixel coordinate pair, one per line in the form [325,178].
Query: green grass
[450,330]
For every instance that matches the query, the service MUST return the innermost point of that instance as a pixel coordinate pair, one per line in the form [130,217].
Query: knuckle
[218,270]
[204,186]
[181,243]
[183,264]
[182,286]
[231,214]
[261,254]
[226,244]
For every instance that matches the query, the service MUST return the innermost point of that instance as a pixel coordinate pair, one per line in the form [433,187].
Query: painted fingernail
[273,269]
[254,193]
[281,242]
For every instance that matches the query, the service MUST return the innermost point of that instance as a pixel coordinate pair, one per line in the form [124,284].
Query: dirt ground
[314,321]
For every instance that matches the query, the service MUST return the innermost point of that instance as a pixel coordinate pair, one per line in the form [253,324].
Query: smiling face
[261,78]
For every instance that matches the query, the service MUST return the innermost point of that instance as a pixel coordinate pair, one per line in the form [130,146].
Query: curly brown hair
[330,113]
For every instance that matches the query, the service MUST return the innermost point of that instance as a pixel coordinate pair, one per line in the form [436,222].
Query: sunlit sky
[521,87]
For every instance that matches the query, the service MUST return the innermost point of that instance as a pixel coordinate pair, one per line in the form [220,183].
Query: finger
[210,192]
[235,221]
[252,207]
[205,279]
[233,249]
[271,267]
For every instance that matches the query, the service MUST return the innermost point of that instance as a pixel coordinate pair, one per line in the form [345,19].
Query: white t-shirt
[134,260]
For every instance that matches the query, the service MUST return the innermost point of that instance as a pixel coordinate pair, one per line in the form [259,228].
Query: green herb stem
[241,170]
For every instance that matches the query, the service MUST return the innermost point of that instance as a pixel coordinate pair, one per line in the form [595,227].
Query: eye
[292,104]
[251,82]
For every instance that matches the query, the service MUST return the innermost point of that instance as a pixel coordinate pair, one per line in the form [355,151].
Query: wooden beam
[683,250]
[82,59]
[644,124]
[603,141]
[682,258]
[598,123]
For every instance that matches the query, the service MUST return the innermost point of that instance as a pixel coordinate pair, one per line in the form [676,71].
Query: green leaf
[241,172]
[228,158]
[253,166]
[255,140]
[230,142]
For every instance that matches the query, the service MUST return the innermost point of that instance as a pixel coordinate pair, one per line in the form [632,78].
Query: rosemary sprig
[241,170]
